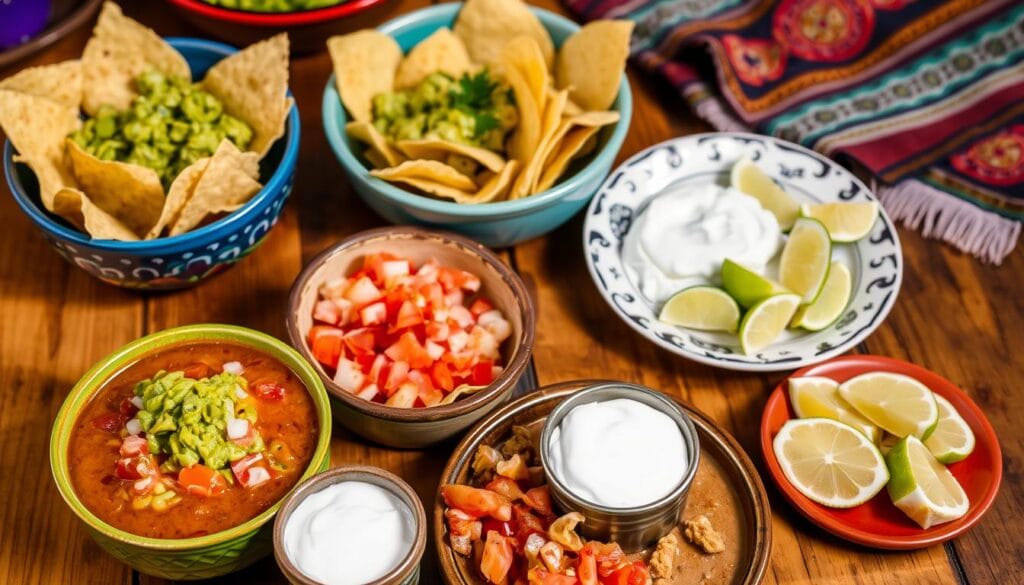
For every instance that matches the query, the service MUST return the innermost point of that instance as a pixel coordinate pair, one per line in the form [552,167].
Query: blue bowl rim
[288,161]
[332,104]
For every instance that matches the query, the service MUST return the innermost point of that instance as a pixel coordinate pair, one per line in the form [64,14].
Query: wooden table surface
[956,316]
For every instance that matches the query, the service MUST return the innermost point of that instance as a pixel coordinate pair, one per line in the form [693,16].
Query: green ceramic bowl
[191,558]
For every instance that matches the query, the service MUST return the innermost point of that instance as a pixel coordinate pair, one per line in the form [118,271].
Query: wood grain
[955,316]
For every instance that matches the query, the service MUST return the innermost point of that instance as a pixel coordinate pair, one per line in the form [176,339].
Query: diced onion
[137,402]
[237,428]
[369,393]
[133,426]
[434,350]
[349,376]
[239,393]
[256,475]
[234,368]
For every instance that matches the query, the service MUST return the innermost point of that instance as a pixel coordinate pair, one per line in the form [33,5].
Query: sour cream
[686,232]
[618,453]
[349,533]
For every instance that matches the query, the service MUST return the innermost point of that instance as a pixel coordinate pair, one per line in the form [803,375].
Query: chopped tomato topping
[197,371]
[269,391]
[497,557]
[200,480]
[325,343]
[540,576]
[477,502]
[539,498]
[108,422]
[482,373]
[632,574]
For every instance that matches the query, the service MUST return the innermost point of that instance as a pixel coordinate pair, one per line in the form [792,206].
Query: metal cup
[636,528]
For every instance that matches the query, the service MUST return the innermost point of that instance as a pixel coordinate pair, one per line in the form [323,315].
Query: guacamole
[274,5]
[170,125]
[475,110]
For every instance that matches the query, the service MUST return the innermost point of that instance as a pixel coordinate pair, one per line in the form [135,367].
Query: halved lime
[805,259]
[921,486]
[897,403]
[830,303]
[702,307]
[747,177]
[766,320]
[830,462]
[846,222]
[818,397]
[952,440]
[747,286]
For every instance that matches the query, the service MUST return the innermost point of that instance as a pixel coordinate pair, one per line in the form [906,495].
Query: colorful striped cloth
[928,95]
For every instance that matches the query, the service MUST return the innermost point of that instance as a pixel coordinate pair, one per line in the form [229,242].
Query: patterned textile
[927,95]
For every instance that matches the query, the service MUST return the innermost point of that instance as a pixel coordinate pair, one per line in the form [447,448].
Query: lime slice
[897,403]
[846,222]
[922,487]
[702,307]
[747,177]
[815,397]
[952,440]
[805,260]
[766,320]
[747,286]
[830,303]
[830,462]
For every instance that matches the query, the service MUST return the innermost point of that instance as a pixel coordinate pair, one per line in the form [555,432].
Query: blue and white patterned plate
[875,262]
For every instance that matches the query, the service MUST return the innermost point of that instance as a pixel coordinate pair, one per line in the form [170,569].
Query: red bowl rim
[812,510]
[275,19]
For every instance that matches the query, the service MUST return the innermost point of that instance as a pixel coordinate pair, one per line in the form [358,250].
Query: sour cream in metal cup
[626,418]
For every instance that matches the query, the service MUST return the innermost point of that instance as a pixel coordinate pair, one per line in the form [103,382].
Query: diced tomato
[504,528]
[477,502]
[539,498]
[434,295]
[506,487]
[437,332]
[541,576]
[482,374]
[327,311]
[408,316]
[454,279]
[374,313]
[586,567]
[526,524]
[404,397]
[359,342]
[373,264]
[480,306]
[197,371]
[408,349]
[376,368]
[463,530]
[136,467]
[634,573]
[325,342]
[133,445]
[200,480]
[268,391]
[362,292]
[425,388]
[251,471]
[441,376]
[365,361]
[396,375]
[497,557]
[127,408]
[109,422]
[609,557]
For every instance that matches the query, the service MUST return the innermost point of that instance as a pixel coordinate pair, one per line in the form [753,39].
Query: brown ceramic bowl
[406,573]
[417,427]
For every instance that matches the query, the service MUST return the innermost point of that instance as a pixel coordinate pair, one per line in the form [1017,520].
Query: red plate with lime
[878,523]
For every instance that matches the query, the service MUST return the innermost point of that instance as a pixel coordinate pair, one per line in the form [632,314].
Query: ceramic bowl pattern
[194,558]
[498,224]
[418,427]
[875,262]
[179,261]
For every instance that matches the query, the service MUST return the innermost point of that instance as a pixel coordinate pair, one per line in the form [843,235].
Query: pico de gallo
[510,529]
[221,433]
[407,336]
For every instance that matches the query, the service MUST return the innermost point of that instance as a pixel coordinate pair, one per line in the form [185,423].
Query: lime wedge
[830,303]
[830,462]
[816,397]
[766,320]
[921,486]
[805,259]
[747,177]
[846,222]
[702,307]
[952,440]
[747,286]
[899,404]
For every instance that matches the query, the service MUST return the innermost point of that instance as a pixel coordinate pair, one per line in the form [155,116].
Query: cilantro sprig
[474,96]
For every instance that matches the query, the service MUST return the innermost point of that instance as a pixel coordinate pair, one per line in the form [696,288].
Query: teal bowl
[204,556]
[499,224]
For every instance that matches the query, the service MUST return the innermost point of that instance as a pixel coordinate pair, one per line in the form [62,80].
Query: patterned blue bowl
[499,224]
[179,261]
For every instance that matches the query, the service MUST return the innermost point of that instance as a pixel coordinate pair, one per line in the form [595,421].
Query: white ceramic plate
[875,262]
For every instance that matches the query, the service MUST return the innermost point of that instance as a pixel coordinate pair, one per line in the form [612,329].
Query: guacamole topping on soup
[274,5]
[170,125]
[475,109]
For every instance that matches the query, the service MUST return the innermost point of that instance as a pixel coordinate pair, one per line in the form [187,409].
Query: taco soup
[192,440]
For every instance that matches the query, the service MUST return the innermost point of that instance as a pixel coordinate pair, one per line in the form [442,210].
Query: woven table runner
[926,95]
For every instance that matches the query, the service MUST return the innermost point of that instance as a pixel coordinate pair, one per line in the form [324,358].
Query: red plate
[878,523]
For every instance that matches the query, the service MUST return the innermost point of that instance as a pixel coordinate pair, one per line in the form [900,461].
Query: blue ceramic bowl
[179,261]
[499,224]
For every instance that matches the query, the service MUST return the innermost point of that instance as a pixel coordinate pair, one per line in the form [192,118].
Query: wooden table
[955,315]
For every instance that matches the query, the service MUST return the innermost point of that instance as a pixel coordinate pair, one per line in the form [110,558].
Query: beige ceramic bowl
[417,427]
[407,572]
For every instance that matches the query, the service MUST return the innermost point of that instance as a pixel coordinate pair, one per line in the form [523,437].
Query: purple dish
[20,20]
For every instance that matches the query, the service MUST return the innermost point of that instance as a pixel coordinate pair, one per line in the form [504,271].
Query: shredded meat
[520,443]
[701,533]
[664,558]
[484,462]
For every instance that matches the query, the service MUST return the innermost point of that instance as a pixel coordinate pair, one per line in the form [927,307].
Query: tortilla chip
[376,159]
[591,62]
[74,206]
[485,26]
[524,54]
[367,133]
[497,186]
[61,82]
[229,181]
[567,124]
[364,66]
[437,149]
[178,195]
[429,170]
[129,192]
[253,84]
[120,50]
[37,127]
[431,187]
[524,70]
[463,390]
[527,180]
[568,150]
[441,51]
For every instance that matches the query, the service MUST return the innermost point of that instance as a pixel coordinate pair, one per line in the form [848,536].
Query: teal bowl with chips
[178,261]
[497,224]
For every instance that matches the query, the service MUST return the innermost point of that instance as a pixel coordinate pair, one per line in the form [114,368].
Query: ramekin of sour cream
[351,526]
[624,456]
